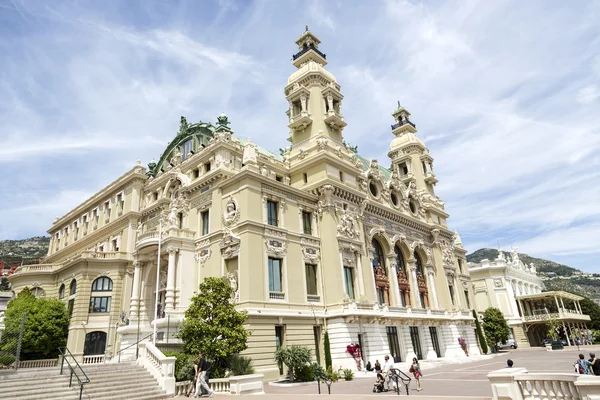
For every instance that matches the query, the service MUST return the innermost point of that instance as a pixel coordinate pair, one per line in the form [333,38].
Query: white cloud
[588,94]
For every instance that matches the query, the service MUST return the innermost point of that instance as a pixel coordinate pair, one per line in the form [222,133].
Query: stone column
[511,298]
[566,333]
[135,292]
[359,272]
[170,295]
[393,278]
[430,275]
[562,304]
[412,263]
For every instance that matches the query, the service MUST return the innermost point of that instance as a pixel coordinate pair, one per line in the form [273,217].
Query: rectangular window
[349,282]
[341,176]
[317,335]
[196,173]
[187,148]
[115,245]
[70,307]
[467,299]
[305,177]
[275,275]
[278,178]
[381,296]
[107,211]
[100,304]
[403,298]
[272,213]
[307,222]
[120,204]
[311,279]
[207,167]
[204,217]
[451,288]
[75,231]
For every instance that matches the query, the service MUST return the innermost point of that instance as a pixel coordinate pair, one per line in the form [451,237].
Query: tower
[314,97]
[410,158]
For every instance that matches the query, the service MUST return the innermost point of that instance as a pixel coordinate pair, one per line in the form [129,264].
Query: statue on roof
[514,255]
[222,120]
[183,126]
[306,28]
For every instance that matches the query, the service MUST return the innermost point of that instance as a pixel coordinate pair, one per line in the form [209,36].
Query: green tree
[327,346]
[213,326]
[495,327]
[294,357]
[480,337]
[46,326]
[592,309]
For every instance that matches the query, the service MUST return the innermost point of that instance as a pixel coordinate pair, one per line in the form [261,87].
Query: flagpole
[157,281]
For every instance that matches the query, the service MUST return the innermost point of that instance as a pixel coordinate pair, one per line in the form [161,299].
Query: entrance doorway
[95,343]
[416,341]
[434,340]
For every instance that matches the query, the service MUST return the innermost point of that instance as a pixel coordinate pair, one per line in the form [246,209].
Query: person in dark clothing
[200,367]
[595,364]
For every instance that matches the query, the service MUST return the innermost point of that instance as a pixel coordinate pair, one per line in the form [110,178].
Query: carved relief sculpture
[231,213]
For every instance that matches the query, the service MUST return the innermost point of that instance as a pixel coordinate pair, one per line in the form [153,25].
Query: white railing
[159,365]
[276,296]
[313,298]
[95,359]
[38,363]
[236,385]
[518,384]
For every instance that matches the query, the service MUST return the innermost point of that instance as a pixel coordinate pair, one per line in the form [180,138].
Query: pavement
[461,378]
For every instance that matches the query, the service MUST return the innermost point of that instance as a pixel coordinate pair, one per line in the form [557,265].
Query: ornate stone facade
[317,237]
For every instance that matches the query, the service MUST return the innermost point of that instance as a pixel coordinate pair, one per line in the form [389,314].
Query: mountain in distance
[554,275]
[26,251]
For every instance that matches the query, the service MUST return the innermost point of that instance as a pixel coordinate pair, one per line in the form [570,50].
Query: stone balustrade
[235,385]
[519,384]
[159,365]
[53,362]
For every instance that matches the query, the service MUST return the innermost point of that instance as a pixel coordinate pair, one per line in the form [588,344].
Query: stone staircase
[109,381]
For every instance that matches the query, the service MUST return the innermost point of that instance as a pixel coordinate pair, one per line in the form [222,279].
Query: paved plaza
[461,380]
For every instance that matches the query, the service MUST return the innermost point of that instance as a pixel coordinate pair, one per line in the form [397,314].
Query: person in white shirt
[387,367]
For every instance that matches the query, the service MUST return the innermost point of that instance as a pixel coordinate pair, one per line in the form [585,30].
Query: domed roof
[404,139]
[310,66]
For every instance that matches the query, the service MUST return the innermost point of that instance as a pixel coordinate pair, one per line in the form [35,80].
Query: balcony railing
[399,124]
[306,49]
[276,296]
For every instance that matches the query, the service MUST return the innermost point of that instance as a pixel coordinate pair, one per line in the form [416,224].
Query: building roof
[261,150]
[550,295]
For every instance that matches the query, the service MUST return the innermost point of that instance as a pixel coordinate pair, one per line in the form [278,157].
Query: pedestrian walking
[200,367]
[387,372]
[415,369]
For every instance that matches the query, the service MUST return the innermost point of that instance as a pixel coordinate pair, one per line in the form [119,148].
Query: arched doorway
[382,285]
[95,343]
[403,283]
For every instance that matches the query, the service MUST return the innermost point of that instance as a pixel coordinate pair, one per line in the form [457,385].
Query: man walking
[200,367]
[387,372]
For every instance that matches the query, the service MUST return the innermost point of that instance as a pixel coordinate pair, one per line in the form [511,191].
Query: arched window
[95,343]
[419,263]
[38,292]
[61,291]
[401,265]
[73,287]
[378,259]
[102,284]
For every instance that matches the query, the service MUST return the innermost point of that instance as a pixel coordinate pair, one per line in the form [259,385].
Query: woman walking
[415,369]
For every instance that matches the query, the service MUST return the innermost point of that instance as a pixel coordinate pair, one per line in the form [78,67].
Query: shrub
[327,346]
[330,374]
[305,373]
[348,374]
[319,372]
[495,327]
[480,336]
[240,365]
[294,357]
[184,364]
[7,360]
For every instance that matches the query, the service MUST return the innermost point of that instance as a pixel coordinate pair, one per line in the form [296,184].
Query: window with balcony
[349,282]
[272,213]
[307,222]
[115,245]
[275,281]
[205,219]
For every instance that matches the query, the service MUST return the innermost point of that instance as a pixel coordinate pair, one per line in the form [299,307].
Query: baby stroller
[378,385]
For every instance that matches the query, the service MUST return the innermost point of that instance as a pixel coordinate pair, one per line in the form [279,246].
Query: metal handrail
[133,344]
[396,376]
[67,353]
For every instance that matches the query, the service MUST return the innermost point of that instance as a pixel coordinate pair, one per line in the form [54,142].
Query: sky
[505,94]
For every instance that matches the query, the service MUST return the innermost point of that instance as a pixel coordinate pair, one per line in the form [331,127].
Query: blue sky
[505,94]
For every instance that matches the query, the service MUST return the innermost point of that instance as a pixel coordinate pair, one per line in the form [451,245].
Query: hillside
[555,276]
[15,252]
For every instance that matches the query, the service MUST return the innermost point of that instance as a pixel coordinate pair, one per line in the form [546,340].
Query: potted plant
[553,327]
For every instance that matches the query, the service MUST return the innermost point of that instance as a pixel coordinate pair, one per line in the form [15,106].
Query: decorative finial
[306,28]
[399,104]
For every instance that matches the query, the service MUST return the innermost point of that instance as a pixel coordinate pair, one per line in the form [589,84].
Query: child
[378,386]
[415,369]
